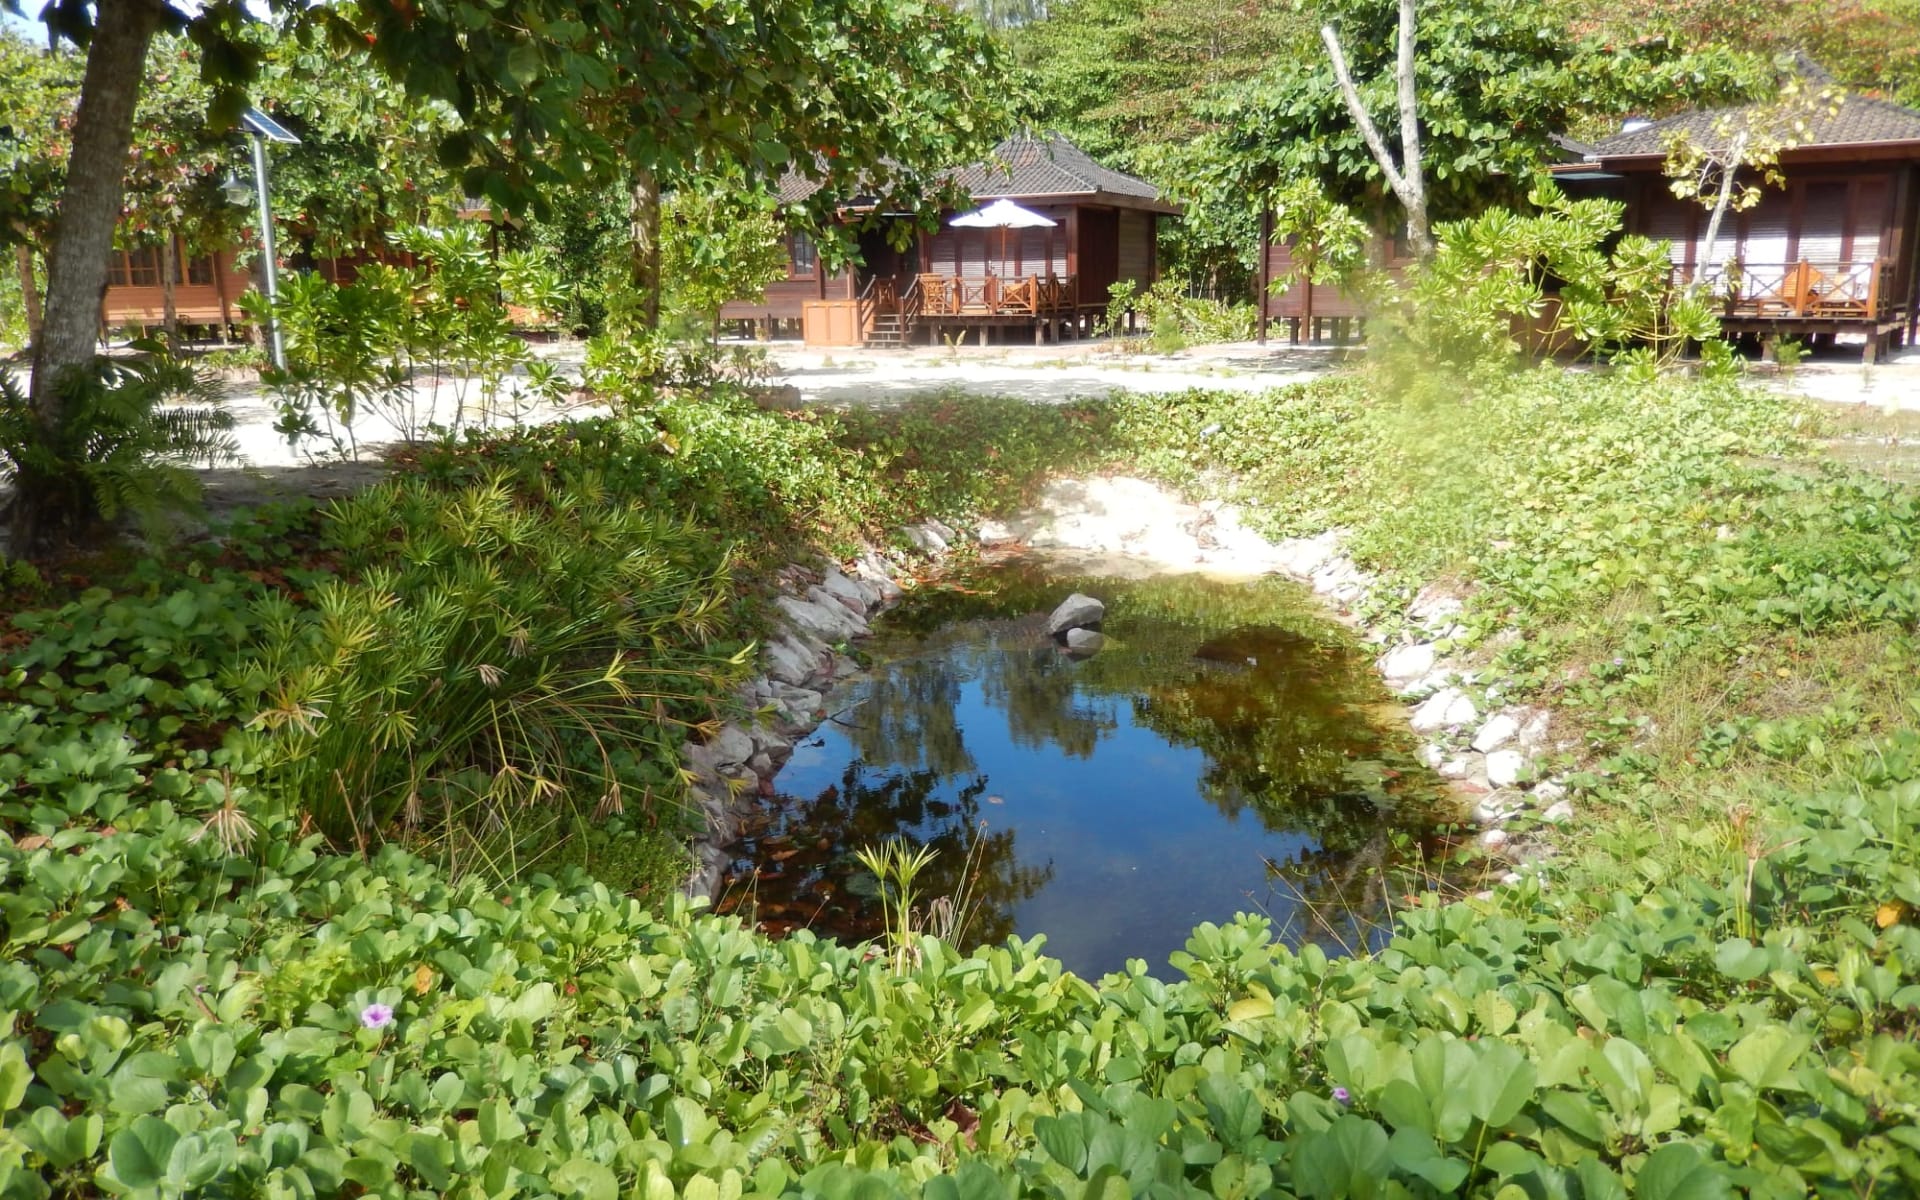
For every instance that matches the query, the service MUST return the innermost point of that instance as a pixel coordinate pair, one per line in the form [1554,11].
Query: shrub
[123,444]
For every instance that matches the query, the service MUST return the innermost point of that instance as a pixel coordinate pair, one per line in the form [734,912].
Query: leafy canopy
[1497,79]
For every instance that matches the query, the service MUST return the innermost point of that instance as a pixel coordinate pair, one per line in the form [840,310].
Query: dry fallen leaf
[32,841]
[422,979]
[1890,913]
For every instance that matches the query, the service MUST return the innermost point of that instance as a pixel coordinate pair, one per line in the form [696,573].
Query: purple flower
[1342,1096]
[376,1016]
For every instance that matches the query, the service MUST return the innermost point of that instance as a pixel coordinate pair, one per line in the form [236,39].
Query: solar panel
[264,125]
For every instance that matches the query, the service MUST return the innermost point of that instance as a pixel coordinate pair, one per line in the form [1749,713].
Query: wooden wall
[207,302]
[1828,216]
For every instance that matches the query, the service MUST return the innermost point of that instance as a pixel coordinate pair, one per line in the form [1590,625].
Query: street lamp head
[235,189]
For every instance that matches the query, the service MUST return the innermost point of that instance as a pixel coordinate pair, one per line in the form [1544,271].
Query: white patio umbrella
[1002,214]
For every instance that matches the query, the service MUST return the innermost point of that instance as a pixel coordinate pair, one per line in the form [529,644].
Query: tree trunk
[169,310]
[82,239]
[645,277]
[1736,153]
[29,291]
[1412,161]
[1408,178]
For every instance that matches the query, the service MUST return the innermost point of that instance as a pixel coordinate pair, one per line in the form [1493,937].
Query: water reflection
[1219,754]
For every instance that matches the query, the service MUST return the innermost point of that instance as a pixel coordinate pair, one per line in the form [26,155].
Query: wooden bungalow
[1835,250]
[206,288]
[1312,311]
[1045,282]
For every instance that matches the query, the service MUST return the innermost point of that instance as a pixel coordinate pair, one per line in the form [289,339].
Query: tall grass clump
[488,658]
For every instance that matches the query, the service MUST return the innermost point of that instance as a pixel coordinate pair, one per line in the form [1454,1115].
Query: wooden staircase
[894,313]
[890,329]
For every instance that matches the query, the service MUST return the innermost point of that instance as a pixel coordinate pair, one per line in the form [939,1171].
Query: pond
[1229,749]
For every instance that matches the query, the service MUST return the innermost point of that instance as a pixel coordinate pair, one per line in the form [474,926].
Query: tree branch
[1375,142]
[1407,180]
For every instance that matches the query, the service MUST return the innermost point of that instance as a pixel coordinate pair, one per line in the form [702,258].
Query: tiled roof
[1047,166]
[1572,148]
[1858,120]
[1022,167]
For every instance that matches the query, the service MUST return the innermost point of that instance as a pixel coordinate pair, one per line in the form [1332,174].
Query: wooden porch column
[1266,269]
[1073,252]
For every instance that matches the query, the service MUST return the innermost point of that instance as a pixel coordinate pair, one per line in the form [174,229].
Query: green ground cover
[294,900]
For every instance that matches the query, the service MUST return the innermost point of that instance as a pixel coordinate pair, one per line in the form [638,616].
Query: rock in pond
[1075,612]
[1085,643]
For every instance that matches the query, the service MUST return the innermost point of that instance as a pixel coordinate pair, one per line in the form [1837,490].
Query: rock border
[1495,756]
[817,610]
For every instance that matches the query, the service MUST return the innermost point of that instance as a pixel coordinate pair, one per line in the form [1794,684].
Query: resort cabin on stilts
[1038,277]
[1831,252]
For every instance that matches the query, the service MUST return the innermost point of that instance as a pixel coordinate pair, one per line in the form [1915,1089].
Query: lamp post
[263,129]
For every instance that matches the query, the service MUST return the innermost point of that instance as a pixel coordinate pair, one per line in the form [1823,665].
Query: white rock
[853,593]
[1431,754]
[1492,810]
[995,533]
[1406,663]
[1446,709]
[1076,611]
[830,622]
[789,662]
[1548,791]
[853,608]
[1303,556]
[1432,605]
[1533,730]
[873,568]
[1455,768]
[1510,878]
[1497,732]
[925,539]
[1504,767]
[1558,812]
[1493,839]
[730,747]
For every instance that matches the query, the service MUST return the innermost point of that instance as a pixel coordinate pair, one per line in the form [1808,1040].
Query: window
[200,270]
[803,258]
[134,268]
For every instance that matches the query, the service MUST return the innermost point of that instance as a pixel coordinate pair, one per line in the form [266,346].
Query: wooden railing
[1031,295]
[1829,290]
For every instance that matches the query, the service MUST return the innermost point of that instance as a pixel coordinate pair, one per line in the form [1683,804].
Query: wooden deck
[1805,298]
[945,306]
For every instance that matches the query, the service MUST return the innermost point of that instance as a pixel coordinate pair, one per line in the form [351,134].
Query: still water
[1228,750]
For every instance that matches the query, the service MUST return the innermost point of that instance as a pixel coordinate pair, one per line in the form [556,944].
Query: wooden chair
[1020,296]
[936,294]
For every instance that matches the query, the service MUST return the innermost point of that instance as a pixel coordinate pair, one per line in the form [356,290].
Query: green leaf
[585,1179]
[1415,1154]
[523,63]
[1677,1171]
[1500,1085]
[1576,1113]
[1345,1159]
[1064,1139]
[139,1153]
[1510,1159]
[1767,1057]
[15,1074]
